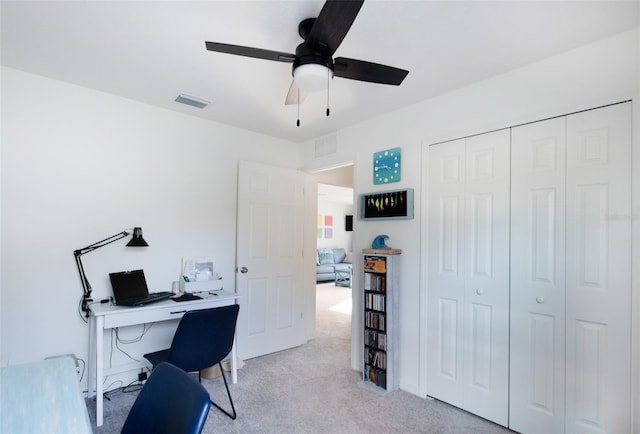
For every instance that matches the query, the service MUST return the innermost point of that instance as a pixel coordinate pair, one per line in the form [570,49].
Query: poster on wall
[325,226]
[319,222]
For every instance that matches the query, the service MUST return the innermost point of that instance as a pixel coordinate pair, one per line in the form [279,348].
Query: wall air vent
[192,101]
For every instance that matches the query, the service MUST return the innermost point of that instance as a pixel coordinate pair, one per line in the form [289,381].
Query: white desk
[42,397]
[107,316]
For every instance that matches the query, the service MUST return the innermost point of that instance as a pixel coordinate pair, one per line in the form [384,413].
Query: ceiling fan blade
[257,53]
[333,23]
[295,95]
[368,71]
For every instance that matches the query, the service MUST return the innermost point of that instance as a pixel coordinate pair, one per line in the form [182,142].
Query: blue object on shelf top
[378,242]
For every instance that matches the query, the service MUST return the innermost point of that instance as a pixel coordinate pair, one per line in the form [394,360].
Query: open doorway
[334,246]
[335,217]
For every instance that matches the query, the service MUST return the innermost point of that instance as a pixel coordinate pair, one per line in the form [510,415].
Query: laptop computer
[130,289]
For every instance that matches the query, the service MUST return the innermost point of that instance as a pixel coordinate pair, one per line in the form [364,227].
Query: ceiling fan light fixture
[312,77]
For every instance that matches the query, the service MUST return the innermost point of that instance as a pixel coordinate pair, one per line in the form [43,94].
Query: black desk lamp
[136,241]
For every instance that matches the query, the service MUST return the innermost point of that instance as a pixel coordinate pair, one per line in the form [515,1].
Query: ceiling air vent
[192,101]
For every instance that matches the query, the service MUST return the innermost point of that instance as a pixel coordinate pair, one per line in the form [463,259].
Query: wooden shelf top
[382,251]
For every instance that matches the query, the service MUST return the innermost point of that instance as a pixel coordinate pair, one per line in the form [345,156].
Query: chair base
[232,415]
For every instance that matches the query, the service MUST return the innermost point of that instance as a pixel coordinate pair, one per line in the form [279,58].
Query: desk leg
[99,368]
[234,363]
[91,368]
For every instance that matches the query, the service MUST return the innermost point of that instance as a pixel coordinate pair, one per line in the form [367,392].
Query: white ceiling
[151,51]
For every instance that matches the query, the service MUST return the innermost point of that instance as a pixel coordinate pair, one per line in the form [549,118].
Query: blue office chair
[203,339]
[170,402]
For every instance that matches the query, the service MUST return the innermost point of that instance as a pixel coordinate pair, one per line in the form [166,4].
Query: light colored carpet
[312,389]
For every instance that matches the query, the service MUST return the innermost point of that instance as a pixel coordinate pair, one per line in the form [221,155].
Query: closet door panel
[446,271]
[537,277]
[486,311]
[599,270]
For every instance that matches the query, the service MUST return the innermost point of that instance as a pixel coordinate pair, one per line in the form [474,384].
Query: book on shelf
[375,376]
[375,302]
[375,265]
[374,320]
[373,282]
[376,358]
[376,339]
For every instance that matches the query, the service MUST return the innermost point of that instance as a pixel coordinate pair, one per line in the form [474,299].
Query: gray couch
[330,260]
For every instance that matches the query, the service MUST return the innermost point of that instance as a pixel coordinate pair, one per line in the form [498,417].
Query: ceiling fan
[313,64]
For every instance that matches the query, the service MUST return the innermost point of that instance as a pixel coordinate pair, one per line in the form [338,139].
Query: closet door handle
[540,300]
[479,291]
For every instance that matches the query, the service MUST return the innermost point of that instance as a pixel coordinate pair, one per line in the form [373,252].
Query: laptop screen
[128,284]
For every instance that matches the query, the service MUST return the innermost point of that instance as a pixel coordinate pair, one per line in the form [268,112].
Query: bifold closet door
[570,368]
[598,389]
[446,274]
[537,321]
[468,274]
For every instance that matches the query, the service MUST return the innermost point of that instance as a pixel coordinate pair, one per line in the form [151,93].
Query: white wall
[339,176]
[80,165]
[598,74]
[341,238]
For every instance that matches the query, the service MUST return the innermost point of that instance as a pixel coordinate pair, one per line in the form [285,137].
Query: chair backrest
[203,337]
[171,401]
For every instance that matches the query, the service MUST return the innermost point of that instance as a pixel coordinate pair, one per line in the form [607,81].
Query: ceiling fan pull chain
[298,121]
[328,81]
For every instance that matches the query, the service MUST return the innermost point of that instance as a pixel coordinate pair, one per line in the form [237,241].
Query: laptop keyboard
[159,295]
[150,298]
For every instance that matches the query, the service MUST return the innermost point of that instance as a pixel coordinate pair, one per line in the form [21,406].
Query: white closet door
[599,270]
[446,271]
[486,306]
[537,360]
[468,283]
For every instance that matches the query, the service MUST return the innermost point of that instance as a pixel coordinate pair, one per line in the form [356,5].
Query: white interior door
[446,275]
[537,360]
[269,259]
[468,274]
[486,307]
[599,270]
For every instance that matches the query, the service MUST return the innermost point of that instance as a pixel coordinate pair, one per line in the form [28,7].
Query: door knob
[539,300]
[479,291]
[243,270]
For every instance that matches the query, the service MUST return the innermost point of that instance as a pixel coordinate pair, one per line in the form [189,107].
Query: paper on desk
[198,269]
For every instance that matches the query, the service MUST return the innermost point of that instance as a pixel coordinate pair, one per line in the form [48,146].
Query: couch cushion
[338,255]
[325,256]
[320,269]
